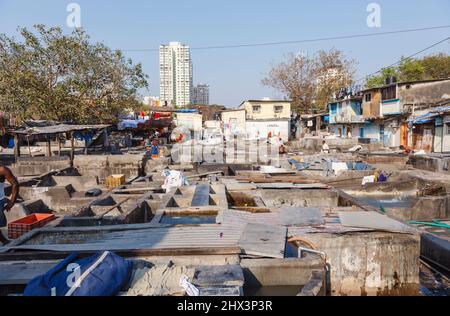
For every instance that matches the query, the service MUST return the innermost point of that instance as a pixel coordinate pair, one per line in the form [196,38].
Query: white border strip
[86,273]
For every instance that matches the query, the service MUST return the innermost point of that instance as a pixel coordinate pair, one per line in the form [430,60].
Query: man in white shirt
[325,147]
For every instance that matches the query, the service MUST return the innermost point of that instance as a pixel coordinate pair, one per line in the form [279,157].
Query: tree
[437,66]
[411,69]
[379,80]
[49,75]
[310,81]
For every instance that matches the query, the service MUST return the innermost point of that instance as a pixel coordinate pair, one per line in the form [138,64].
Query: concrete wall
[371,263]
[192,121]
[430,163]
[39,165]
[426,92]
[261,129]
[233,123]
[279,272]
[372,131]
[300,198]
[80,184]
[372,108]
[267,109]
[315,143]
[102,166]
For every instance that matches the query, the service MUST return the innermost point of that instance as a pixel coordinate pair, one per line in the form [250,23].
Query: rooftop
[406,83]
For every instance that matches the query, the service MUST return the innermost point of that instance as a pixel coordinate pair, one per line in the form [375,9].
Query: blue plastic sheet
[103,274]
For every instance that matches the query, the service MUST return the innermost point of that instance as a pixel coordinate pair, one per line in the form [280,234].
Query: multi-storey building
[176,74]
[396,114]
[200,94]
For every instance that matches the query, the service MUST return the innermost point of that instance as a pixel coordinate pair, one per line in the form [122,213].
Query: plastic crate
[28,223]
[115,181]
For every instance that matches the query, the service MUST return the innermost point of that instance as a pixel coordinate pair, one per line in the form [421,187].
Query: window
[389,93]
[278,108]
[448,129]
[333,108]
[256,108]
[368,97]
[357,108]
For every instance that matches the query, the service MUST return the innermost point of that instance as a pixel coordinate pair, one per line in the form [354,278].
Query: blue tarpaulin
[187,111]
[130,123]
[103,274]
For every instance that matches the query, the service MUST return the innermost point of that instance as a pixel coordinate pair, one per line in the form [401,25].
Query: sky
[235,74]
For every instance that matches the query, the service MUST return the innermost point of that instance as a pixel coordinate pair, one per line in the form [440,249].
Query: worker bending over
[5,205]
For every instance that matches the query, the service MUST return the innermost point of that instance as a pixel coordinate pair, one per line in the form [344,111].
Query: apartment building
[176,74]
[200,94]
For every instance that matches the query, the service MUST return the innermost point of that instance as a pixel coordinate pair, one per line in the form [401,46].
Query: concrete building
[266,109]
[265,129]
[152,101]
[267,118]
[176,74]
[190,120]
[200,94]
[346,116]
[233,122]
[380,113]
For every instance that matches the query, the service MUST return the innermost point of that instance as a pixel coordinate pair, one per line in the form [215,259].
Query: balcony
[390,107]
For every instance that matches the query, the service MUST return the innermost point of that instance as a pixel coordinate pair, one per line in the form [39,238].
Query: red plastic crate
[28,223]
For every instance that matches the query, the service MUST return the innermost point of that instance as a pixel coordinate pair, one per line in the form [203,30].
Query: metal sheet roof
[56,129]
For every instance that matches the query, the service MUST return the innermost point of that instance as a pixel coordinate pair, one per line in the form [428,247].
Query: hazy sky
[235,74]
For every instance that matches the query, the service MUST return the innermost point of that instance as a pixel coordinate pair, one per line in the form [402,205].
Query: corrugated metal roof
[430,115]
[56,129]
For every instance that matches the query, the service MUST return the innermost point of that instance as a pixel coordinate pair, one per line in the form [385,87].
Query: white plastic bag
[368,179]
[174,179]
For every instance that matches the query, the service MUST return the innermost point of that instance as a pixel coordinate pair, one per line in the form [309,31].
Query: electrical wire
[406,58]
[320,39]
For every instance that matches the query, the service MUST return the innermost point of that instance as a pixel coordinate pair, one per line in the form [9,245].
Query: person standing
[6,174]
[325,147]
[155,148]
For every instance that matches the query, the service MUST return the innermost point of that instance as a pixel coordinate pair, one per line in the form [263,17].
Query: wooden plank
[186,211]
[118,205]
[201,175]
[133,190]
[252,209]
[291,186]
[263,240]
[276,179]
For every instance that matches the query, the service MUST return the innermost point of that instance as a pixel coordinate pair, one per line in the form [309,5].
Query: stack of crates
[115,180]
